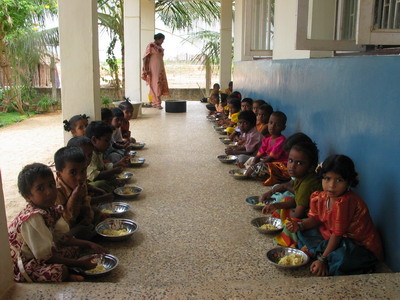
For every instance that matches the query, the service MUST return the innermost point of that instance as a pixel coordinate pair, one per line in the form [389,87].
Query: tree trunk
[11,93]
[208,76]
[121,37]
[53,78]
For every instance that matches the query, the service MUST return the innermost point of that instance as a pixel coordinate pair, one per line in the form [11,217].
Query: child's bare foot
[74,277]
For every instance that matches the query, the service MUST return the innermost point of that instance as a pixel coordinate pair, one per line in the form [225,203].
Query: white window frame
[304,43]
[248,35]
[366,34]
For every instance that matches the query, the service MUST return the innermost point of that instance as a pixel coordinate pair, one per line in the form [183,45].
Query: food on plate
[268,227]
[115,232]
[260,204]
[96,270]
[106,211]
[291,260]
[127,191]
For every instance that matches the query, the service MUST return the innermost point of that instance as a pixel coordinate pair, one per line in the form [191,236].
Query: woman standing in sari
[153,70]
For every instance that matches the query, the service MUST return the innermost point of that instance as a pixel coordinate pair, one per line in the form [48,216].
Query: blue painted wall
[349,106]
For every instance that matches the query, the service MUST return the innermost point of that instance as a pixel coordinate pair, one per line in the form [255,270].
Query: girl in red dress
[339,231]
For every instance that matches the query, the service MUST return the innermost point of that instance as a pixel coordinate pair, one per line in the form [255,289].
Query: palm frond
[29,49]
[180,15]
[210,50]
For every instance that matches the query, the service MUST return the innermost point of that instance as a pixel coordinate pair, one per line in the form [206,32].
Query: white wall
[285,31]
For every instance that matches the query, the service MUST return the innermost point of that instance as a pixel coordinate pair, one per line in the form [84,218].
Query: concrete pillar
[226,43]
[6,279]
[238,48]
[79,52]
[147,12]
[132,49]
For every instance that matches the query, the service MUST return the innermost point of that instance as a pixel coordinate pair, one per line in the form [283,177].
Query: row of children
[322,215]
[60,216]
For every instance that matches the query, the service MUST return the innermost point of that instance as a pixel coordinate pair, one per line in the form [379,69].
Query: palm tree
[209,55]
[179,15]
[176,15]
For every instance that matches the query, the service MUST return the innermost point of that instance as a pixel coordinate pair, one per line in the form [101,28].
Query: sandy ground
[33,140]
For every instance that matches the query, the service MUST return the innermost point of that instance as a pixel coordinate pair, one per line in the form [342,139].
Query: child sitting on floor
[249,140]
[40,249]
[270,162]
[302,161]
[264,112]
[119,147]
[246,104]
[72,192]
[106,116]
[98,173]
[98,195]
[256,105]
[223,107]
[212,107]
[234,110]
[127,109]
[339,229]
[76,125]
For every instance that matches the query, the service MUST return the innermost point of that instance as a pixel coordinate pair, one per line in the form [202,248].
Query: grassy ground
[12,117]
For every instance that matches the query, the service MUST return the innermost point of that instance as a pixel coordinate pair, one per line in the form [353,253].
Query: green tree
[22,45]
[209,55]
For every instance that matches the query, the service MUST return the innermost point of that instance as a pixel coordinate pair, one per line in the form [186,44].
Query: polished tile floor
[195,240]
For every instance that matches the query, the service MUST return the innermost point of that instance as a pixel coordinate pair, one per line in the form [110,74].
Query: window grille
[262,24]
[387,14]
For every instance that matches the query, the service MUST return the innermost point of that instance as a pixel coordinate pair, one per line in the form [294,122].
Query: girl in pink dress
[153,70]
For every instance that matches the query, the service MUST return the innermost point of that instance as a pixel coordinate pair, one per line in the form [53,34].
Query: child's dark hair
[237,95]
[248,100]
[267,108]
[342,165]
[68,154]
[295,139]
[117,113]
[79,141]
[69,124]
[106,113]
[235,103]
[249,116]
[216,95]
[29,174]
[98,129]
[280,115]
[224,97]
[159,36]
[125,105]
[308,148]
[259,102]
